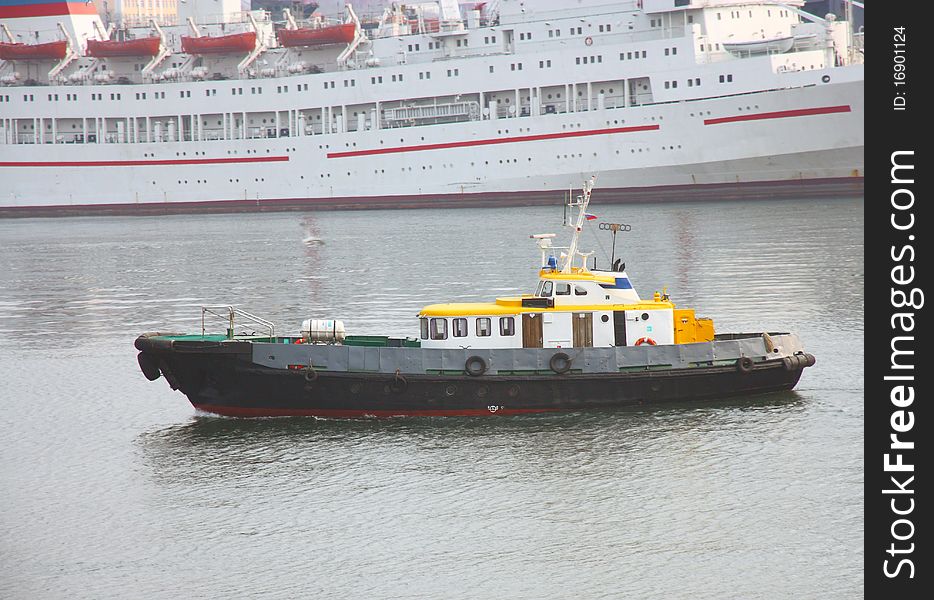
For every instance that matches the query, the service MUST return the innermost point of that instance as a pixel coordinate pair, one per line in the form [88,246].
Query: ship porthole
[482,391]
[450,390]
[513,391]
[825,78]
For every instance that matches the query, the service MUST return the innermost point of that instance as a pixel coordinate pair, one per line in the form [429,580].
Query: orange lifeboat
[320,36]
[50,50]
[224,44]
[148,46]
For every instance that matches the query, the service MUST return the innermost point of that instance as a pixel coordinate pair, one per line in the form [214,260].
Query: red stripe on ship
[49,9]
[339,413]
[147,163]
[490,142]
[782,114]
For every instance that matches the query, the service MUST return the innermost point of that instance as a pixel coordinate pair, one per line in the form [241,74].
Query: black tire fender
[560,363]
[311,375]
[399,383]
[744,364]
[475,366]
[149,366]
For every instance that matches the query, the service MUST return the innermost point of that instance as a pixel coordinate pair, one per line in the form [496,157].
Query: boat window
[563,289]
[538,291]
[484,327]
[507,325]
[423,325]
[439,329]
[579,291]
[546,289]
[459,327]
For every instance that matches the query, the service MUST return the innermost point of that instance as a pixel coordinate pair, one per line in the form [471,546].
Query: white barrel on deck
[323,331]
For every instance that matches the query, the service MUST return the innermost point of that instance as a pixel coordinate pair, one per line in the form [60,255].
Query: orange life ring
[588,41]
[645,340]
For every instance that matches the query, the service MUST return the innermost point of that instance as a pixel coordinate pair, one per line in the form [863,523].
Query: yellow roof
[513,306]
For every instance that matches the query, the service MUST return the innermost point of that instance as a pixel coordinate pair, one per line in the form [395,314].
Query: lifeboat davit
[50,50]
[320,36]
[224,44]
[148,46]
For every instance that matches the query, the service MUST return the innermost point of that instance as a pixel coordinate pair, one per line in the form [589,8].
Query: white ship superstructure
[433,104]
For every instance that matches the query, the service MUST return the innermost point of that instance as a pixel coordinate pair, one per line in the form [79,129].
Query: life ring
[588,41]
[475,366]
[310,374]
[744,364]
[645,340]
[560,363]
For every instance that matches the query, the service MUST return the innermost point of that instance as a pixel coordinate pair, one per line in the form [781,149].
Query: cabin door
[583,329]
[531,331]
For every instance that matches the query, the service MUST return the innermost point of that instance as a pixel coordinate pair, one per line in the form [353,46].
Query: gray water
[113,487]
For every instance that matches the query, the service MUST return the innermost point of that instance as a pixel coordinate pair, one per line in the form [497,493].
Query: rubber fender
[310,374]
[560,363]
[149,365]
[475,366]
[399,383]
[744,364]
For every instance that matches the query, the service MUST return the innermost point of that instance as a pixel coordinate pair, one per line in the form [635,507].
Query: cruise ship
[426,104]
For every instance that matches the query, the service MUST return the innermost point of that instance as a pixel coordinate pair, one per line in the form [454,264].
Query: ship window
[423,325]
[460,327]
[439,329]
[546,289]
[484,327]
[579,291]
[507,326]
[563,289]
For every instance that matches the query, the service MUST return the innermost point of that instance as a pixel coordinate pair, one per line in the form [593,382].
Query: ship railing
[229,315]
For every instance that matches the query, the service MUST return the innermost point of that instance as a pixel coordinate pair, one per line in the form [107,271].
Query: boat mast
[582,201]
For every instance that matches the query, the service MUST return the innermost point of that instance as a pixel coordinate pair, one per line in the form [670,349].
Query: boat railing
[229,314]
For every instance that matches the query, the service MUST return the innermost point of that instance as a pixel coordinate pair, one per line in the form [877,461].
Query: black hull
[228,383]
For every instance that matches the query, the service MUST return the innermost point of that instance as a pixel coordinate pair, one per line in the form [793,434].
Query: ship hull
[801,142]
[227,378]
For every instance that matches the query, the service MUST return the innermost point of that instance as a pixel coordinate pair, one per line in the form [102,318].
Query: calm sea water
[113,487]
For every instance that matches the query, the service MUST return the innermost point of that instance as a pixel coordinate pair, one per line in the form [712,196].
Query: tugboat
[584,340]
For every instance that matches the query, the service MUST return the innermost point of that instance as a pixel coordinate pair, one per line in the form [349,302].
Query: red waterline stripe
[490,142]
[801,112]
[147,163]
[334,413]
[49,9]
